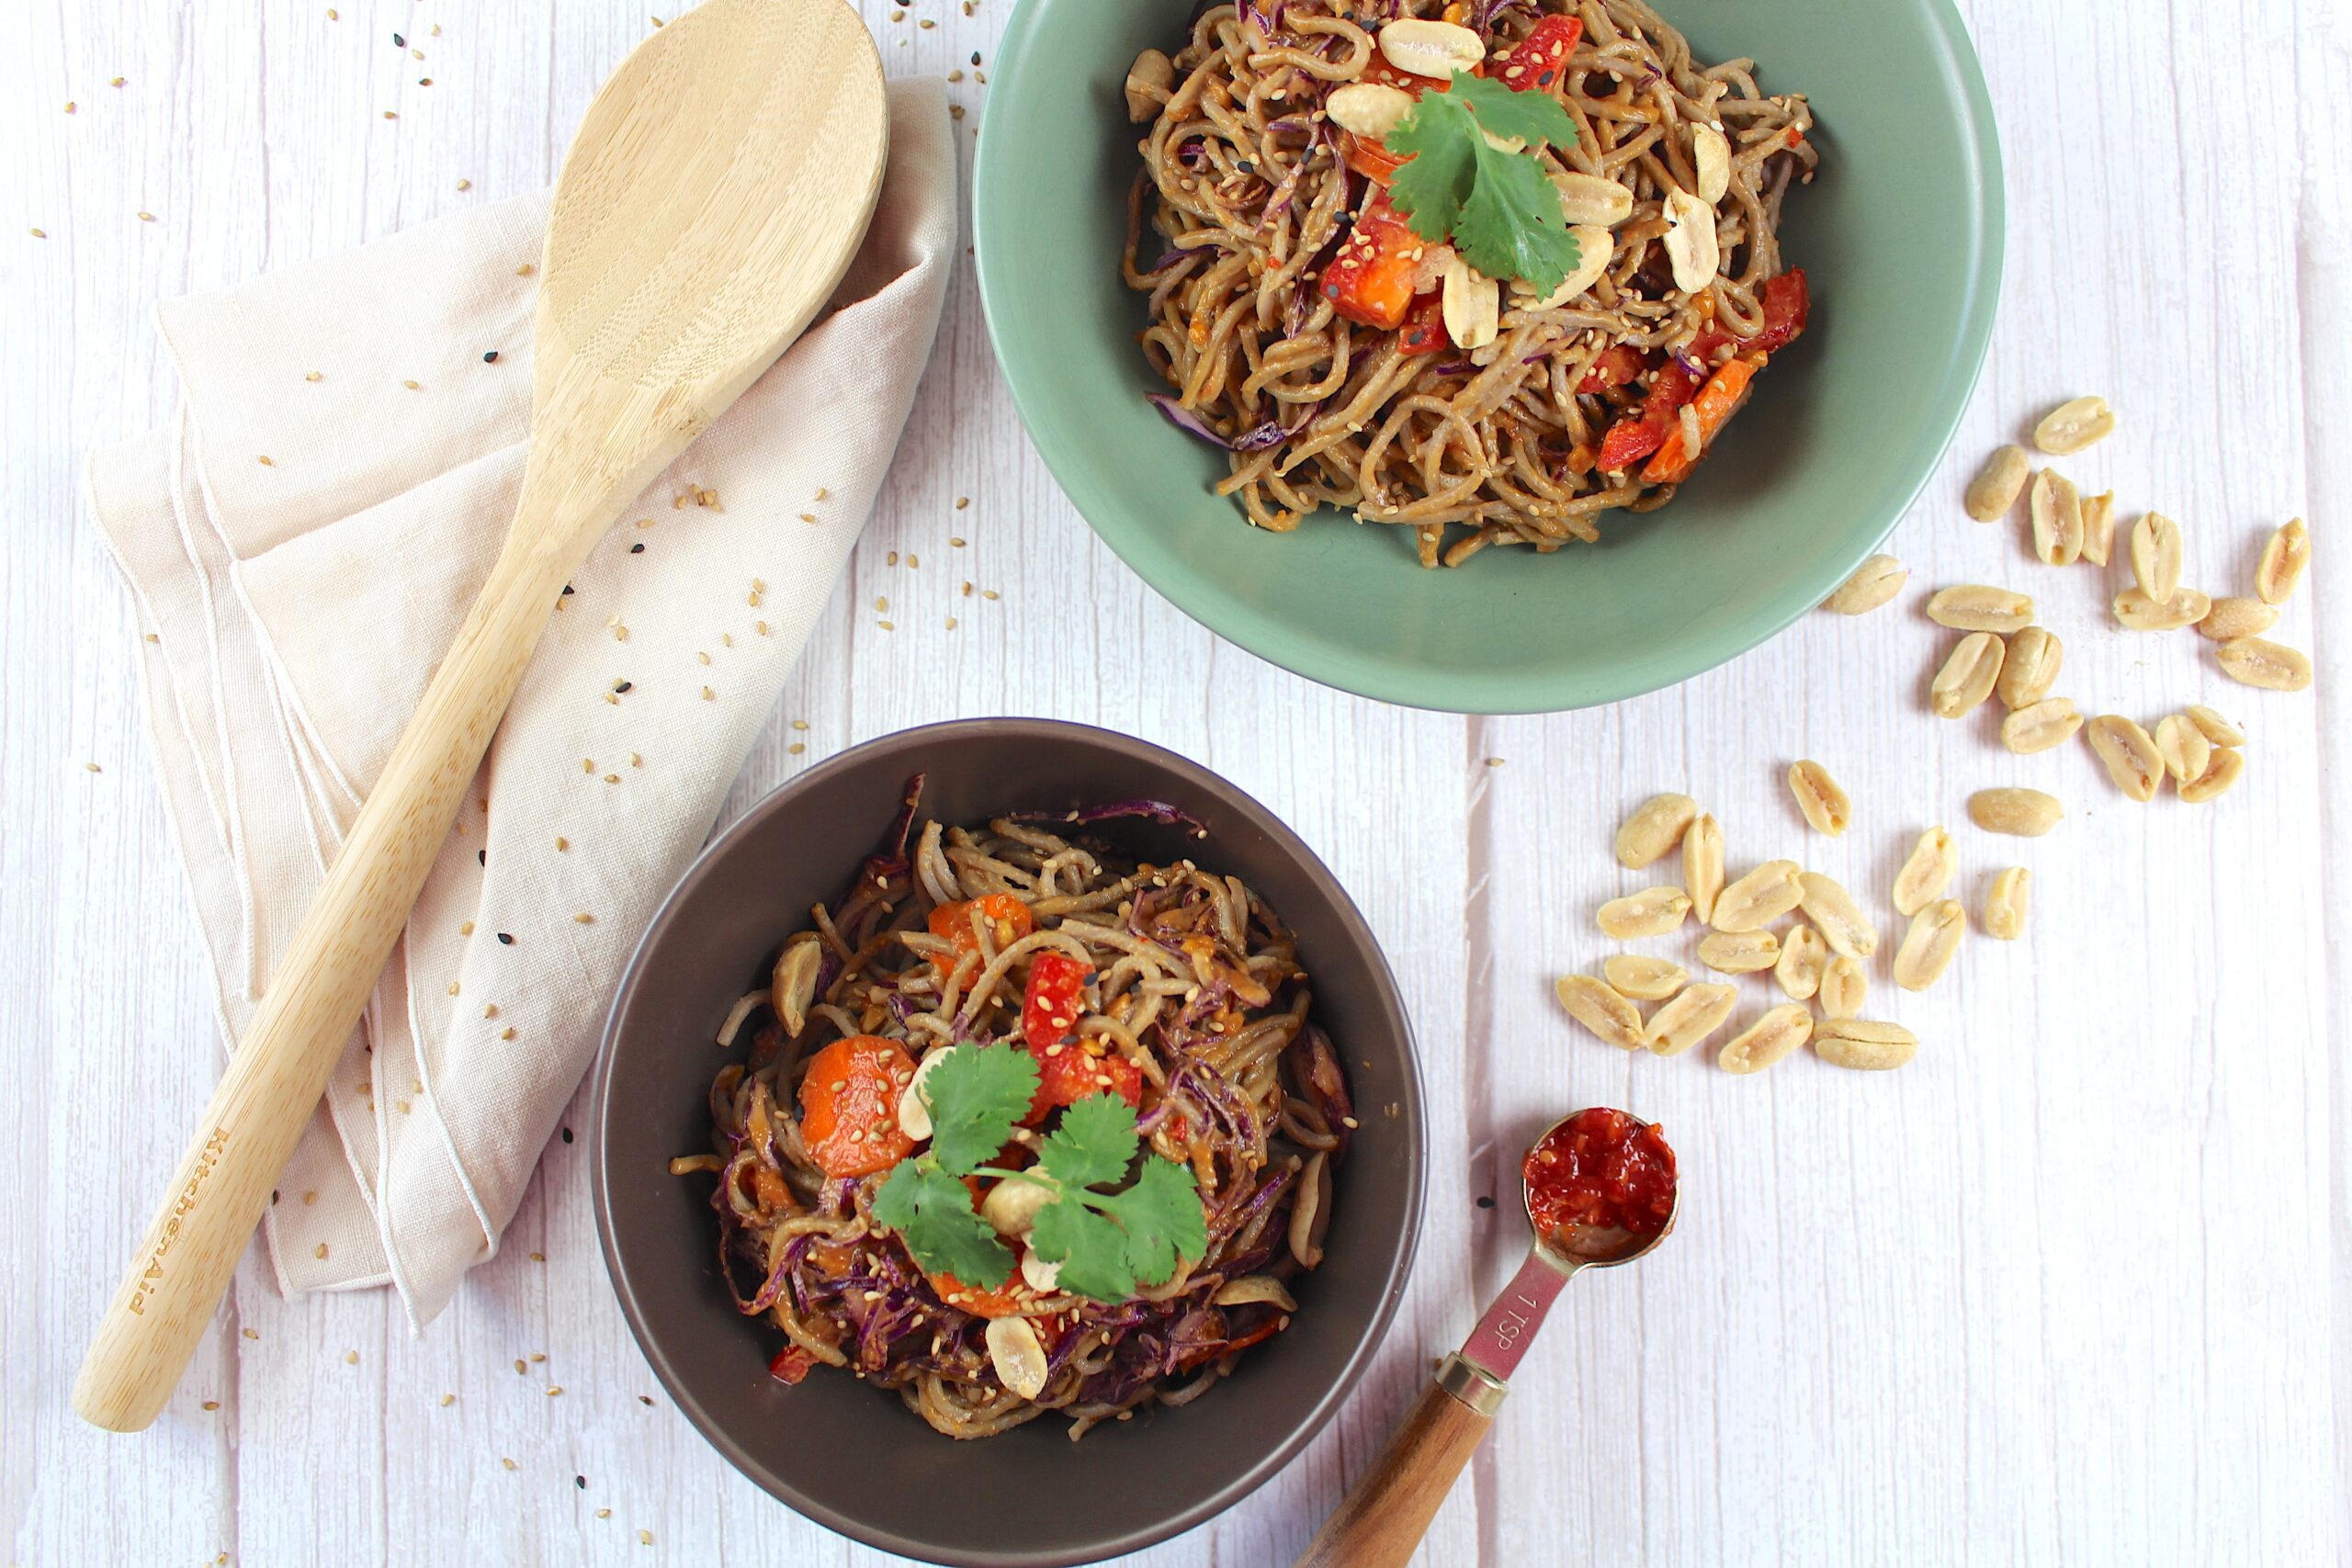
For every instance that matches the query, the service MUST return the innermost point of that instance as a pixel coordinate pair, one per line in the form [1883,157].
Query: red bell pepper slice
[791,1364]
[1067,1069]
[1788,302]
[1424,330]
[1716,402]
[1537,61]
[1370,278]
[1070,1072]
[1618,364]
[1634,437]
[1055,996]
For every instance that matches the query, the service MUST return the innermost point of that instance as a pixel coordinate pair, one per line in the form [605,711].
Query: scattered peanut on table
[1819,959]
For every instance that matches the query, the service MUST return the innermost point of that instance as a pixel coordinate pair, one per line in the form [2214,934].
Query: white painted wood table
[2075,1287]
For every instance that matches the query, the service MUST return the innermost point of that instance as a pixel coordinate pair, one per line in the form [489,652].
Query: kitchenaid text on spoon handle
[274,1078]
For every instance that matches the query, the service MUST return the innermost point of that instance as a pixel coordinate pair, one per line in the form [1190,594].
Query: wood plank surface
[2072,1288]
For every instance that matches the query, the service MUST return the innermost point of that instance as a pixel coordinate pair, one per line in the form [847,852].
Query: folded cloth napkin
[301,545]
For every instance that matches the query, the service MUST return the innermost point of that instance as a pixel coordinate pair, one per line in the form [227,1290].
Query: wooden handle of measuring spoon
[1380,1522]
[274,1077]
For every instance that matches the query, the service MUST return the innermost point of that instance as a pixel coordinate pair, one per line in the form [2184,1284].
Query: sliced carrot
[1009,918]
[980,1300]
[1714,405]
[849,1106]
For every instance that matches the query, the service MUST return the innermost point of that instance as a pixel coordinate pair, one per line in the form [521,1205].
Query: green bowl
[1900,235]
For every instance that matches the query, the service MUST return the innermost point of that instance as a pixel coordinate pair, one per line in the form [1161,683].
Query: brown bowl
[849,1455]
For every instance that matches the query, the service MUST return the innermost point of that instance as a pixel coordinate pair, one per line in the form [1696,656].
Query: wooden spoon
[717,189]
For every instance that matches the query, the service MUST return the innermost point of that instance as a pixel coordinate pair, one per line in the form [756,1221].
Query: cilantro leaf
[1512,225]
[1091,1250]
[976,1095]
[1094,1142]
[1441,141]
[1530,116]
[1500,212]
[933,1212]
[1162,1218]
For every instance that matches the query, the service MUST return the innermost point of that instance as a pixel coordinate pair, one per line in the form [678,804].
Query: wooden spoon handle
[1381,1521]
[275,1075]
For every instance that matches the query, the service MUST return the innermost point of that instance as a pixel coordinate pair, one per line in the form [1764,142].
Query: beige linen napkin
[301,545]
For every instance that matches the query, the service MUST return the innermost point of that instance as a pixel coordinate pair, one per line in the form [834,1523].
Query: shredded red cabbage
[1493,11]
[1170,256]
[1158,812]
[1184,419]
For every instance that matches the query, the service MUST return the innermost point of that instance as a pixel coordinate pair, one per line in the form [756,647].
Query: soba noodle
[1244,194]
[1194,982]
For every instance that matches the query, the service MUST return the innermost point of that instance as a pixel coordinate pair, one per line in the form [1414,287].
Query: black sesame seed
[491,358]
[505,940]
[481,857]
[399,42]
[638,548]
[581,1482]
[625,685]
[1484,1201]
[567,1134]
[566,591]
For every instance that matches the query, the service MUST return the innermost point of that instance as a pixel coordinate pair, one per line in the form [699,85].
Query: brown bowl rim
[1303,1428]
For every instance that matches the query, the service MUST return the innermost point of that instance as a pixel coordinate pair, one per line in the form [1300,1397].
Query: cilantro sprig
[1106,1242]
[1496,206]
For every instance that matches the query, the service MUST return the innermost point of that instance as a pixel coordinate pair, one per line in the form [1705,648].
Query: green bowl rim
[1549,691]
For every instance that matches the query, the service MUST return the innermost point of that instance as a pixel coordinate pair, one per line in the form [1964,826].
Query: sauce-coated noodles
[1194,1009]
[1247,190]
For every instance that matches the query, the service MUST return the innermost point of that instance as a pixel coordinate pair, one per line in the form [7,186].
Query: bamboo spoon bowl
[717,191]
